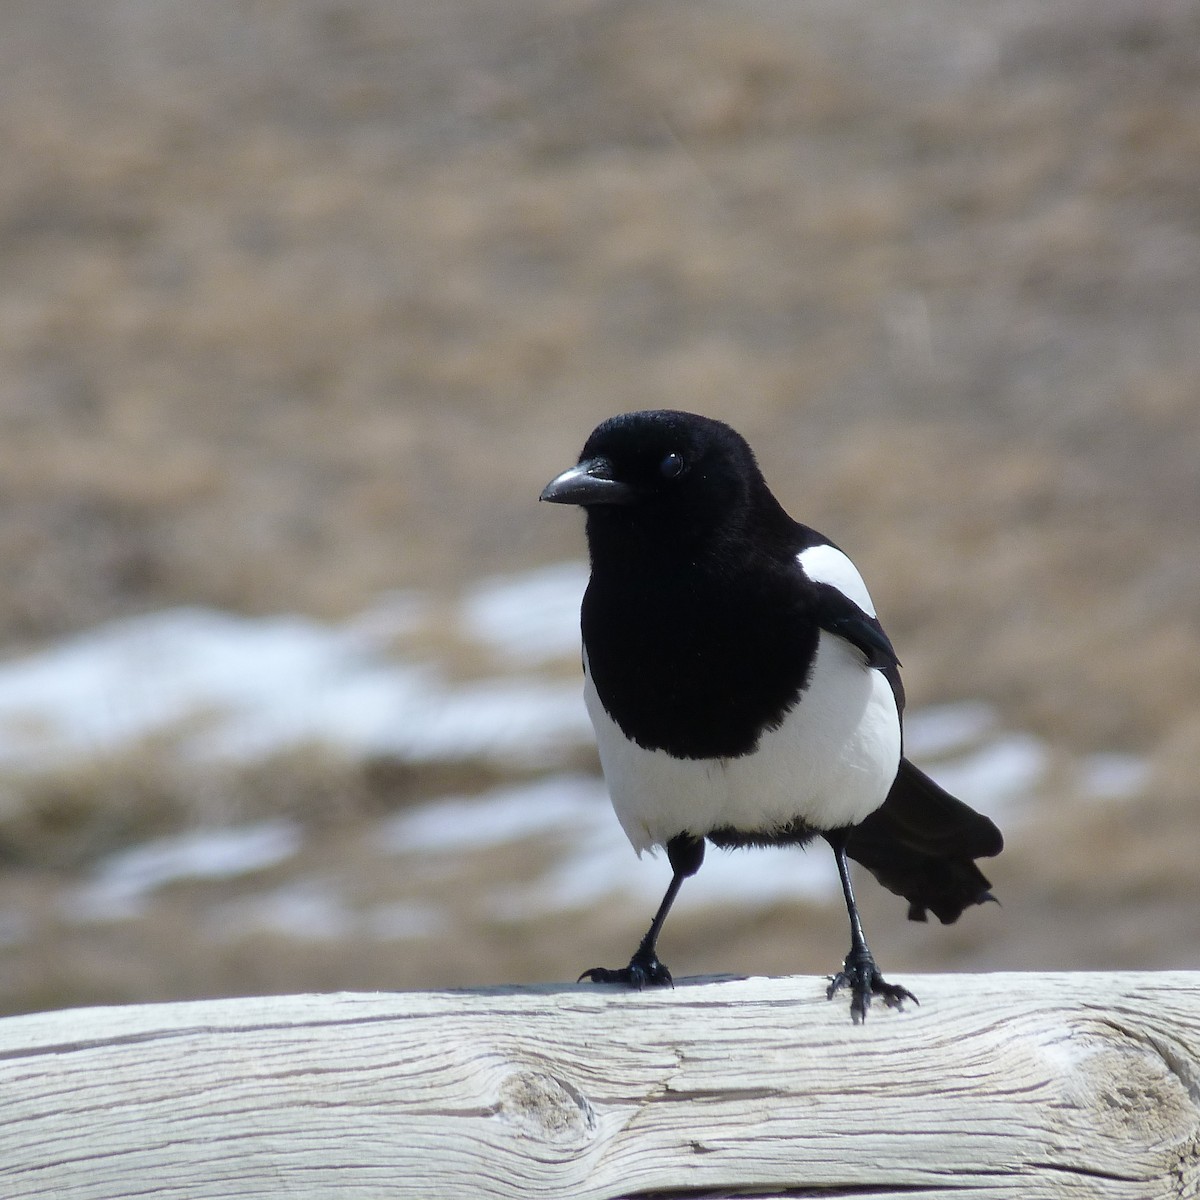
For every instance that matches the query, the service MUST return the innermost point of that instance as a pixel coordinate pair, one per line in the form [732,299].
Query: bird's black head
[665,480]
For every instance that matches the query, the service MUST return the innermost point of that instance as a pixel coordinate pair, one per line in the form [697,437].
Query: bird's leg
[859,970]
[685,854]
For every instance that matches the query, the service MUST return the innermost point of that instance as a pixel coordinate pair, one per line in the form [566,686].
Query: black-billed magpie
[742,689]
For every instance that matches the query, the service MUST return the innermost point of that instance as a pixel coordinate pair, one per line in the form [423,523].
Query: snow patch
[1111,776]
[528,620]
[220,686]
[572,804]
[305,910]
[943,729]
[998,776]
[121,883]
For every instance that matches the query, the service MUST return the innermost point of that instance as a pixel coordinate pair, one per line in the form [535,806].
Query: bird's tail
[921,843]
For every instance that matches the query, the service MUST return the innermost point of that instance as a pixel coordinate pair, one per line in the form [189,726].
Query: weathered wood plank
[1029,1086]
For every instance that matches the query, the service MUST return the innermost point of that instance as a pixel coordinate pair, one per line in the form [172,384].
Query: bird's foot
[861,975]
[644,970]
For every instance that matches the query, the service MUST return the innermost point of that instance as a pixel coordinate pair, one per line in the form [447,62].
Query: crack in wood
[850,1191]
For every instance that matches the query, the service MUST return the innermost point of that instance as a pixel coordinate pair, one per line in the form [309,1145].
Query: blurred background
[300,306]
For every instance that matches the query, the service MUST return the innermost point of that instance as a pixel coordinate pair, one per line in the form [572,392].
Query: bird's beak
[591,482]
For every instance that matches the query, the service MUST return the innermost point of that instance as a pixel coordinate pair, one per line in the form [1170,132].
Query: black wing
[836,613]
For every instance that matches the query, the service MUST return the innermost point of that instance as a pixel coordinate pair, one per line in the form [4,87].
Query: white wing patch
[827,564]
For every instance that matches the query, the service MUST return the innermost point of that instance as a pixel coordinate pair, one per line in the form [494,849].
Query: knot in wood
[546,1108]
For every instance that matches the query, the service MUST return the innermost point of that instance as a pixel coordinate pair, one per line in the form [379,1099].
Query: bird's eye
[671,467]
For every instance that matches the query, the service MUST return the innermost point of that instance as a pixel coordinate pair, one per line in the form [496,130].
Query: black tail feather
[921,844]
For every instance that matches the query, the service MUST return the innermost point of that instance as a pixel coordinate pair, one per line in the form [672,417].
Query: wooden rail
[997,1086]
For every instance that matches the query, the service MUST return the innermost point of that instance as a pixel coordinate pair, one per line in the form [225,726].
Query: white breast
[830,763]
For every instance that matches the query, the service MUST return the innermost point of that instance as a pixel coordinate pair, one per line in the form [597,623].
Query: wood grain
[1022,1086]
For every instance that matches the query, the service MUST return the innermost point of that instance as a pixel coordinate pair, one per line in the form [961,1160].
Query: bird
[742,690]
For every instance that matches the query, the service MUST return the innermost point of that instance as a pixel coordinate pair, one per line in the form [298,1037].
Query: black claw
[639,974]
[861,975]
